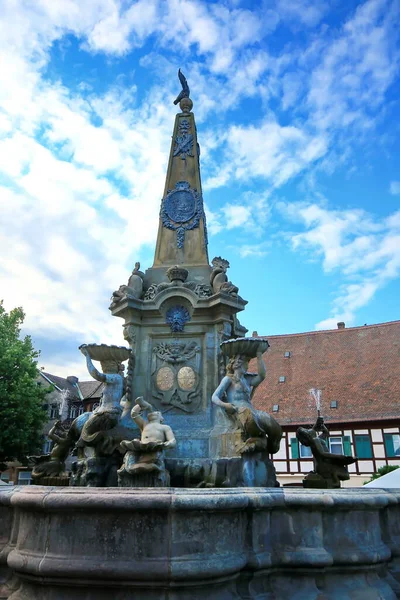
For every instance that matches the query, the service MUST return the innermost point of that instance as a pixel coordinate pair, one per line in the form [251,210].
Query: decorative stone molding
[180,544]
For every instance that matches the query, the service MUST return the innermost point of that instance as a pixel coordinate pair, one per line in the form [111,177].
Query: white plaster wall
[376,435]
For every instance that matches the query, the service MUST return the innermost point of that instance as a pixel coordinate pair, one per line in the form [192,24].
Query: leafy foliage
[21,399]
[382,471]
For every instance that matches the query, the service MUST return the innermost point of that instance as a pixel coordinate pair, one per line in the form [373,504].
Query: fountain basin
[264,543]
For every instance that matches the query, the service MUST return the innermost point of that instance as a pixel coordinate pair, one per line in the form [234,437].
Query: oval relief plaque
[180,205]
[186,378]
[165,379]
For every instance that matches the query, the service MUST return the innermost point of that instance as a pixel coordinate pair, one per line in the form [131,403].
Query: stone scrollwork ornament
[151,292]
[181,210]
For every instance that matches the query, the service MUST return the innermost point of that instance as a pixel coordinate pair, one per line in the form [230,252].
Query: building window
[392,444]
[54,411]
[74,412]
[305,451]
[81,410]
[294,447]
[282,379]
[24,477]
[47,447]
[287,354]
[5,476]
[334,404]
[275,408]
[363,446]
[336,445]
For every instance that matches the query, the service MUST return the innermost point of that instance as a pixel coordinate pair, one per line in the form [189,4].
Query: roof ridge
[316,332]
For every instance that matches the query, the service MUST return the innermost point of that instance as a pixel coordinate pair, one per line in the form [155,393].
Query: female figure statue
[233,396]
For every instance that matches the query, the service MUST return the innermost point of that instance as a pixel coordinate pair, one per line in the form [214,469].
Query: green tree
[382,471]
[21,399]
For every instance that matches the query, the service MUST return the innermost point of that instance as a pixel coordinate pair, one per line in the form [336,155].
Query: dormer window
[287,354]
[282,379]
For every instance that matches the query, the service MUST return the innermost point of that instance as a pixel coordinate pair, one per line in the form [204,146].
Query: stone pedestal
[96,472]
[54,481]
[138,480]
[316,482]
[232,544]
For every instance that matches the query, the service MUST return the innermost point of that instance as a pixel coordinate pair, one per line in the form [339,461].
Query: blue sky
[297,110]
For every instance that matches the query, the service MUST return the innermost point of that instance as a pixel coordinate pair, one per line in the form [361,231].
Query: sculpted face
[112,367]
[240,364]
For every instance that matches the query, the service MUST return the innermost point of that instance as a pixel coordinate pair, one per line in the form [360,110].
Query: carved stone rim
[248,347]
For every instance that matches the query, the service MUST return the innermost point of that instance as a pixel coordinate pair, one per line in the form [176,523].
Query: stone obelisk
[179,311]
[182,233]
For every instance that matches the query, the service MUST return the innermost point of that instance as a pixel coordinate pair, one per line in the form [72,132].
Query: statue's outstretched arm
[90,366]
[262,371]
[169,435]
[219,394]
[126,406]
[144,405]
[93,371]
[136,414]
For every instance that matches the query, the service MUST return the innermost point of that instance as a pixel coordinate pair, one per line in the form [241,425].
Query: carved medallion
[180,205]
[165,379]
[186,378]
[181,210]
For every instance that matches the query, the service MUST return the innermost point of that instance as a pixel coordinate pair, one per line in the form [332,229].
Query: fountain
[174,493]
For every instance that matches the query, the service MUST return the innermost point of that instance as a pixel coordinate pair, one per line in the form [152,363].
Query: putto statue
[134,289]
[219,279]
[260,431]
[144,460]
[52,465]
[329,469]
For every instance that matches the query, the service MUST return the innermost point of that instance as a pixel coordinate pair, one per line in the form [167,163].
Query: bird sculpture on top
[185,88]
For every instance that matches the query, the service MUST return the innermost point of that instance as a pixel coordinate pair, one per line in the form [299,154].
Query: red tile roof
[358,366]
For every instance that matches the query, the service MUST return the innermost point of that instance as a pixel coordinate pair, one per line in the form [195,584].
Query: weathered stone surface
[5,531]
[8,530]
[269,544]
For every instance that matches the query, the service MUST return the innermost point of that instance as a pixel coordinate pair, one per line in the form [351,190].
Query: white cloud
[364,252]
[358,66]
[307,12]
[395,188]
[236,215]
[75,195]
[271,151]
[255,250]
